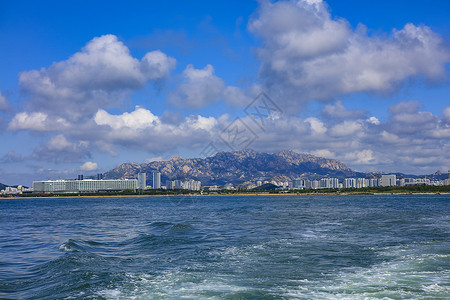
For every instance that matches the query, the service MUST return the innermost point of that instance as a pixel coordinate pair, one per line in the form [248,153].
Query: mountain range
[237,167]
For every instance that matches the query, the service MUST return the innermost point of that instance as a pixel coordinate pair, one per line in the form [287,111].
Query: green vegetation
[412,189]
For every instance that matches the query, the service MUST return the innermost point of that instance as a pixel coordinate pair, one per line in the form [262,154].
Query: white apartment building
[388,180]
[349,183]
[85,185]
[156,180]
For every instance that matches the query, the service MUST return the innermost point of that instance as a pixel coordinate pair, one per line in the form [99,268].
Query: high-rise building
[156,180]
[314,184]
[177,184]
[298,184]
[142,181]
[193,185]
[349,183]
[362,182]
[388,180]
[99,176]
[169,185]
[373,182]
[80,177]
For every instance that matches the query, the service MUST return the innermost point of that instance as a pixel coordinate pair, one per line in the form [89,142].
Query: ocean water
[226,247]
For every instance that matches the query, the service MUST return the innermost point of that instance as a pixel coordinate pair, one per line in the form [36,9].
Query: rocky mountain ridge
[237,167]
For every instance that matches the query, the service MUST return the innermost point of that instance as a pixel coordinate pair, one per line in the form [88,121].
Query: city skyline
[87,87]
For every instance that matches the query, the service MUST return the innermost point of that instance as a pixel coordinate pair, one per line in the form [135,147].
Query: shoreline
[233,194]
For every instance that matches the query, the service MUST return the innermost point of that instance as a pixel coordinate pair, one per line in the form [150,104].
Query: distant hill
[2,186]
[237,167]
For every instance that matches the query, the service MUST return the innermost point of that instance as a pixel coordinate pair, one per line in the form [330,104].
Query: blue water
[226,247]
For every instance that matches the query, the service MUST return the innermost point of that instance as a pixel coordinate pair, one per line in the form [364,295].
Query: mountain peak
[238,166]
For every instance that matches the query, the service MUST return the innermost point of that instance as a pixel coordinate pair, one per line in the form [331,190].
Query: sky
[86,86]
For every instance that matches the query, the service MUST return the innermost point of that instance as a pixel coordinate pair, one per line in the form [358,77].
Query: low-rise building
[84,186]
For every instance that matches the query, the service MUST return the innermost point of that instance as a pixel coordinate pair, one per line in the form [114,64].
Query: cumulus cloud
[446,114]
[201,87]
[144,130]
[59,149]
[309,55]
[346,128]
[363,157]
[136,120]
[89,166]
[373,120]
[406,118]
[366,144]
[338,111]
[3,102]
[100,75]
[156,65]
[317,126]
[37,121]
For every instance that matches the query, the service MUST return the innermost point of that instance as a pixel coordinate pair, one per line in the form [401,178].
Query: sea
[226,247]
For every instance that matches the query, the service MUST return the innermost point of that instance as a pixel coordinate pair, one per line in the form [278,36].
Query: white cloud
[59,149]
[101,75]
[338,111]
[406,118]
[3,102]
[317,126]
[36,121]
[446,113]
[391,145]
[373,120]
[236,96]
[89,166]
[157,65]
[152,159]
[138,119]
[363,157]
[199,88]
[309,55]
[59,142]
[143,130]
[324,153]
[346,128]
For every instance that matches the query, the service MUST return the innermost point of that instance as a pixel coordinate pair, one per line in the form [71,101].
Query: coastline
[231,194]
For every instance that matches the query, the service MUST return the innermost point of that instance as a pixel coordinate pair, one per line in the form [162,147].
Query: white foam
[401,277]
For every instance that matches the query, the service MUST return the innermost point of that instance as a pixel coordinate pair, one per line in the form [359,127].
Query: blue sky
[86,86]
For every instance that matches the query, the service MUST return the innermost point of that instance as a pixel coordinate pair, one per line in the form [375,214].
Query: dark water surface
[232,247]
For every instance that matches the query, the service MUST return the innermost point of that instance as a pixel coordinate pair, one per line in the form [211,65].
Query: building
[156,180]
[84,186]
[177,184]
[142,181]
[170,184]
[362,182]
[388,180]
[99,176]
[349,183]
[192,185]
[298,184]
[314,184]
[373,182]
[329,183]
